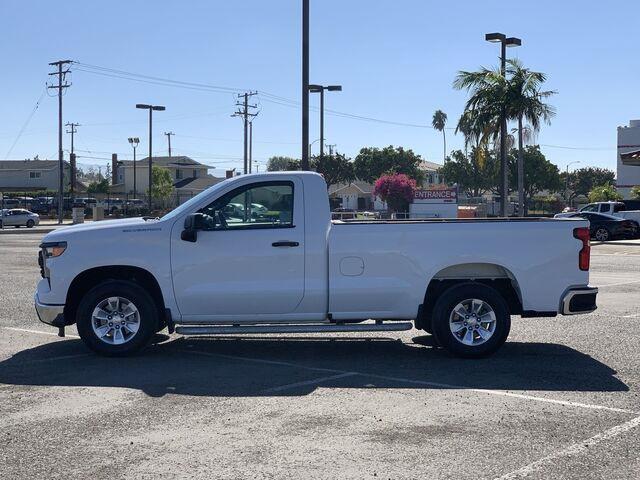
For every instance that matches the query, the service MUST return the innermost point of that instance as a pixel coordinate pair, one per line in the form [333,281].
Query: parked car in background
[18,217]
[607,227]
[615,209]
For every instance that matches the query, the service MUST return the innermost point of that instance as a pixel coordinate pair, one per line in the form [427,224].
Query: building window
[195,173]
[34,174]
[178,174]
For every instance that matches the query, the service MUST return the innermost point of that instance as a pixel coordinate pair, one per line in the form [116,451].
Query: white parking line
[617,284]
[424,383]
[40,332]
[575,449]
[314,381]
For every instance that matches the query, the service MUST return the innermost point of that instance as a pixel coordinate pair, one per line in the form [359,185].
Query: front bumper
[579,300]
[50,314]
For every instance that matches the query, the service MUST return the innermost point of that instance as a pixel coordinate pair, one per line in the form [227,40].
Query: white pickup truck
[260,254]
[615,209]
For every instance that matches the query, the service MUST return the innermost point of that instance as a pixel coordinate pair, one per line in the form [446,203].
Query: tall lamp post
[504,168]
[566,184]
[320,89]
[134,141]
[151,108]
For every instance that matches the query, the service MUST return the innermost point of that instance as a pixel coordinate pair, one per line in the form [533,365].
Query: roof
[428,166]
[30,164]
[631,158]
[364,187]
[199,183]
[173,162]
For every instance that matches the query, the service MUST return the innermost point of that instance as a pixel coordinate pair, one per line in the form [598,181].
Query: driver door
[249,261]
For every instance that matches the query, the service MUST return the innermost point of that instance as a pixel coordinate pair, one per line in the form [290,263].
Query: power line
[25,124]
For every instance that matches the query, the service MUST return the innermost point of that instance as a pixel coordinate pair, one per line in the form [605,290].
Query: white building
[31,175]
[628,171]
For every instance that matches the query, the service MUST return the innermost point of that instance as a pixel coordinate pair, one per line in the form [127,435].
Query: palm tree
[525,102]
[517,93]
[439,121]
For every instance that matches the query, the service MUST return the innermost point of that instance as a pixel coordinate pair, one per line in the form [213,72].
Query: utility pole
[250,145]
[61,64]
[72,157]
[168,134]
[243,111]
[305,85]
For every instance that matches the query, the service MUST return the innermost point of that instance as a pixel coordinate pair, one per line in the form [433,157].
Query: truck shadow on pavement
[294,366]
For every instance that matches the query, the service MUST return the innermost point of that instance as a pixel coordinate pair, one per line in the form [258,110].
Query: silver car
[18,217]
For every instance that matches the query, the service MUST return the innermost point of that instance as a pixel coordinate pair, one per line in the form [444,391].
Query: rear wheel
[30,223]
[601,234]
[471,320]
[117,318]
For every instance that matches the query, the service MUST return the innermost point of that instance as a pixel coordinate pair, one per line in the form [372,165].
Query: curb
[24,231]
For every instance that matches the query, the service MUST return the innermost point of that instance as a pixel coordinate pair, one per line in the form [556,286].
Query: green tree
[162,185]
[334,168]
[539,173]
[517,93]
[438,122]
[371,163]
[604,193]
[474,174]
[101,186]
[279,164]
[583,180]
[635,192]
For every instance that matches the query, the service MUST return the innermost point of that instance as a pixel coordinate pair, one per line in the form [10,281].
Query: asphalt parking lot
[560,400]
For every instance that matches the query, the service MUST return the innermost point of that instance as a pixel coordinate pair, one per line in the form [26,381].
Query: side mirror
[193,223]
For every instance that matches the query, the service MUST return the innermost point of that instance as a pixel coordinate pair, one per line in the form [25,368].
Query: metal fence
[45,203]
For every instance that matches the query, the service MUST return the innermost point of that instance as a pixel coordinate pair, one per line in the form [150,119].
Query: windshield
[186,206]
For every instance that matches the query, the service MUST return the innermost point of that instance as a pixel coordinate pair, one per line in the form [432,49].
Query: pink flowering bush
[397,190]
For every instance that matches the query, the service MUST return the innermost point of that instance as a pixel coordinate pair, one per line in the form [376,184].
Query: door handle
[285,244]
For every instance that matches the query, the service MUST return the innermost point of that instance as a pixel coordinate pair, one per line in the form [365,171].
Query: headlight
[53,249]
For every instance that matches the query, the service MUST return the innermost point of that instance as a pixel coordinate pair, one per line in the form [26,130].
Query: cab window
[592,207]
[255,206]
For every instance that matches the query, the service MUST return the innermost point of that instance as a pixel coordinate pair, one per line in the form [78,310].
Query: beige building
[189,176]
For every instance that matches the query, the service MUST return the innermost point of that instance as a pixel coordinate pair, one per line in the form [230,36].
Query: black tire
[145,305]
[602,234]
[30,223]
[444,307]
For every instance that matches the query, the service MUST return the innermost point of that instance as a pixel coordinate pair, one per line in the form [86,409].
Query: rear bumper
[579,300]
[50,314]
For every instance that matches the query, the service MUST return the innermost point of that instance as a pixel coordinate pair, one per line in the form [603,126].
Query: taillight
[584,256]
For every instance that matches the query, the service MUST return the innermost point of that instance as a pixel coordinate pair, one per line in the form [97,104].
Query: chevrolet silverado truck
[260,254]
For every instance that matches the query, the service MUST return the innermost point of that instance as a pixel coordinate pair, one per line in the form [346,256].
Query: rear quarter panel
[400,259]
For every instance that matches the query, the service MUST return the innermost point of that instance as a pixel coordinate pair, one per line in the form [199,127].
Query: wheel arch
[493,275]
[86,280]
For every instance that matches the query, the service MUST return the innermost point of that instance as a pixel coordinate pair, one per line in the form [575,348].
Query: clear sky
[396,61]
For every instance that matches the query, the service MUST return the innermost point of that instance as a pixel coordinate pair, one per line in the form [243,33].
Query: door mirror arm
[194,222]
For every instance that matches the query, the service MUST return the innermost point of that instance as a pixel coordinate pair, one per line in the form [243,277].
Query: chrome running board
[319,328]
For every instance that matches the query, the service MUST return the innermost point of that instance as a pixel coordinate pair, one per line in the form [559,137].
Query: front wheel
[116,318]
[471,320]
[602,234]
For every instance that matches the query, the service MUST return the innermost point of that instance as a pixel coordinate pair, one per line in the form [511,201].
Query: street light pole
[320,89]
[304,164]
[504,167]
[151,108]
[566,180]
[134,141]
